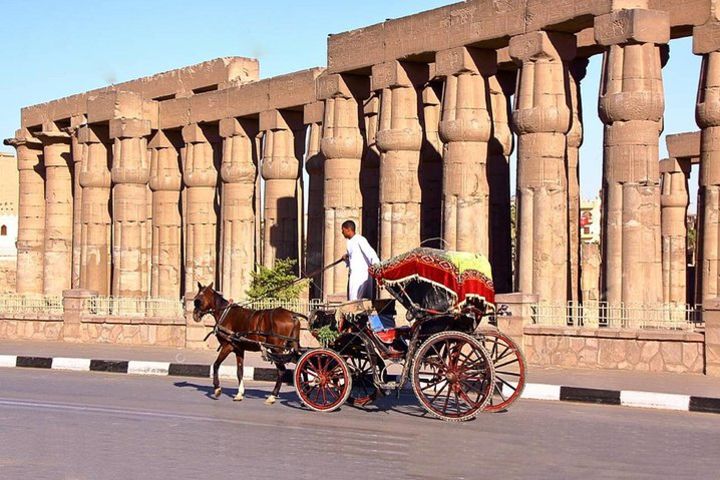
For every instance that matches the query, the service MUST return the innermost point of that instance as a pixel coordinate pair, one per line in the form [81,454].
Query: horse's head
[204,301]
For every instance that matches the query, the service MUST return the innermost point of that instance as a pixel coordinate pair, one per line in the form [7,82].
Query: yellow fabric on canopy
[470,261]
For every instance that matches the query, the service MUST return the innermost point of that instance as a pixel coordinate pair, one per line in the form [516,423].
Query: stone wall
[608,348]
[8,267]
[31,327]
[161,332]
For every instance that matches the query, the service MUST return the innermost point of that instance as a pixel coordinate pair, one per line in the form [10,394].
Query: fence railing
[603,314]
[133,307]
[300,306]
[15,304]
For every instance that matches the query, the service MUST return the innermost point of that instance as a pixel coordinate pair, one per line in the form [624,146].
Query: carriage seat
[392,334]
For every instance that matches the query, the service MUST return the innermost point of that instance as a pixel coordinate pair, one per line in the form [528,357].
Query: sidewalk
[654,390]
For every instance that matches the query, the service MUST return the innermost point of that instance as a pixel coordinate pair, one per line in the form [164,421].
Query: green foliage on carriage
[267,282]
[326,335]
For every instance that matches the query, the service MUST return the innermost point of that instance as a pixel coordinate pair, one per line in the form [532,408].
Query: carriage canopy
[435,279]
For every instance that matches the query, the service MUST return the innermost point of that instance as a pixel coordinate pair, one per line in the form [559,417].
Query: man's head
[348,229]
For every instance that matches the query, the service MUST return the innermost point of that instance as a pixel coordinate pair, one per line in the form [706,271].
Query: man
[360,255]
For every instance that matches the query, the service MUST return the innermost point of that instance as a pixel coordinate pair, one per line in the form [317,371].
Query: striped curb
[532,391]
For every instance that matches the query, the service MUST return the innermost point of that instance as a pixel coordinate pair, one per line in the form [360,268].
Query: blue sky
[52,49]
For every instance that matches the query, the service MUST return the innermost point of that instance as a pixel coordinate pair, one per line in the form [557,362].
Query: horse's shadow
[209,391]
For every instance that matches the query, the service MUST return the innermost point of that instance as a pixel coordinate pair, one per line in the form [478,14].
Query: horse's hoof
[218,392]
[238,398]
[270,400]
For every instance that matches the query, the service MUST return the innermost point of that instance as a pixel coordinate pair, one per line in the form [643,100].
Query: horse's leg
[276,391]
[241,385]
[224,352]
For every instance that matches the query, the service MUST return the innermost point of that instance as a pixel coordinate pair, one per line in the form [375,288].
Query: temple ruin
[146,187]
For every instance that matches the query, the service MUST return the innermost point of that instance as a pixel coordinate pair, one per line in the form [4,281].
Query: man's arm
[368,251]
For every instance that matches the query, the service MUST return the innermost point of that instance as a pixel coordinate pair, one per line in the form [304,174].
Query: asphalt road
[64,425]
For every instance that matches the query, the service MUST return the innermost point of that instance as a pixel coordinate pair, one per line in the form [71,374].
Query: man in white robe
[360,255]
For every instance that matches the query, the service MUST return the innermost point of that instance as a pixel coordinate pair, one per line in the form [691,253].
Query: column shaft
[165,183]
[130,175]
[501,86]
[631,107]
[31,213]
[282,150]
[95,221]
[238,212]
[57,261]
[200,176]
[430,171]
[542,119]
[674,204]
[399,139]
[708,119]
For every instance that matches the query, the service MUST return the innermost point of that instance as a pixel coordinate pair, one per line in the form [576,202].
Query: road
[65,425]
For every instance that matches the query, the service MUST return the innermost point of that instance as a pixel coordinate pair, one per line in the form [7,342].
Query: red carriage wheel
[509,364]
[453,376]
[322,380]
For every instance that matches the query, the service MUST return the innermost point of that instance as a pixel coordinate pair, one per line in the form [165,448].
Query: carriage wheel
[362,371]
[453,377]
[322,380]
[509,364]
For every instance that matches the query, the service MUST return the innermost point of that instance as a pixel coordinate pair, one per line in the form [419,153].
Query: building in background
[9,182]
[590,220]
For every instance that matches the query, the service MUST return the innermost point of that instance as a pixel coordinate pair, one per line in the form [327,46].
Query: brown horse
[276,330]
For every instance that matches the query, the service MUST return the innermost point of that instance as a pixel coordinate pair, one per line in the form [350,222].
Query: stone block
[711,315]
[280,120]
[684,145]
[398,74]
[465,59]
[536,45]
[313,113]
[706,38]
[633,26]
[129,128]
[334,85]
[674,165]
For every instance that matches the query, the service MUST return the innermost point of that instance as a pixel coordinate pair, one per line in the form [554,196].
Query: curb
[532,391]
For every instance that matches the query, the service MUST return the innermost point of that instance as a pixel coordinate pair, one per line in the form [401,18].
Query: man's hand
[345,257]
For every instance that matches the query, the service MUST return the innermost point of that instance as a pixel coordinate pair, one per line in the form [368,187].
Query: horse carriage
[457,364]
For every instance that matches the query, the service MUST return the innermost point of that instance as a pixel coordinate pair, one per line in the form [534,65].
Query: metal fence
[300,306]
[133,307]
[603,314]
[15,304]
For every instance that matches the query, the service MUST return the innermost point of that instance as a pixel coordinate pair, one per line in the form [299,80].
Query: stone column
[542,119]
[200,176]
[430,171]
[342,147]
[314,165]
[399,139]
[706,42]
[578,69]
[631,107]
[57,261]
[238,173]
[466,128]
[165,183]
[711,316]
[674,204]
[95,221]
[78,156]
[31,213]
[500,147]
[370,171]
[130,229]
[282,151]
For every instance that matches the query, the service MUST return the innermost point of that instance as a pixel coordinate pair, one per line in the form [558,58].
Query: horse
[277,330]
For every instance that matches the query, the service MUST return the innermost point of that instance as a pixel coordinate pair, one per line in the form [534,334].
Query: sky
[52,49]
